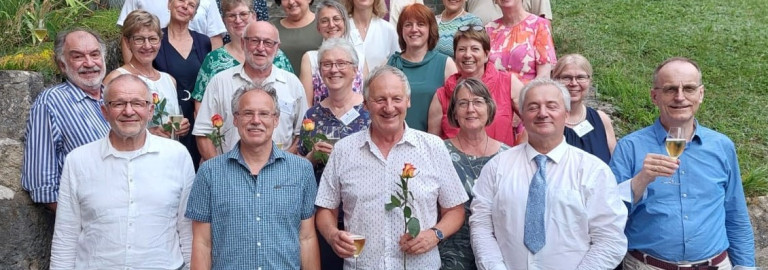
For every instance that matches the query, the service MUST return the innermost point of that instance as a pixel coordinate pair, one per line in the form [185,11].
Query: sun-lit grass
[625,40]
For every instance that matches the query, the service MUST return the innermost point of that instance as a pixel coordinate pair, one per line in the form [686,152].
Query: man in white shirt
[546,204]
[122,198]
[260,42]
[362,173]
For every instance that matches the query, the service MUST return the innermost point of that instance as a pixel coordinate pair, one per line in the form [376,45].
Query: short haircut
[539,82]
[475,87]
[61,38]
[277,33]
[577,60]
[139,19]
[381,70]
[379,8]
[420,13]
[674,59]
[338,7]
[266,88]
[338,43]
[125,77]
[479,36]
[229,5]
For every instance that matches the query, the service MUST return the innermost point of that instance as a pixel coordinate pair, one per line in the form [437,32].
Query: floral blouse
[522,47]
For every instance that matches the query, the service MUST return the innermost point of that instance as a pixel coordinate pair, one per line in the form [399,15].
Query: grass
[626,39]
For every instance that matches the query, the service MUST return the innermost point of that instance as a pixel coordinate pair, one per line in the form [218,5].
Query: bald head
[672,65]
[260,44]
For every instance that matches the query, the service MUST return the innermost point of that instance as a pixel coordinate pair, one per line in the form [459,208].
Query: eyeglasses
[254,42]
[477,103]
[672,90]
[335,20]
[473,27]
[242,15]
[139,40]
[135,104]
[262,115]
[326,66]
[568,79]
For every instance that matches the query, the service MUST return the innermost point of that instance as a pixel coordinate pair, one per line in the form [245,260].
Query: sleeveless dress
[594,142]
[424,78]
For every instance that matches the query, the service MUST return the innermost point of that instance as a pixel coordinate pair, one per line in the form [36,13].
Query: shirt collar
[237,156]
[151,145]
[409,137]
[77,94]
[556,155]
[661,133]
[274,75]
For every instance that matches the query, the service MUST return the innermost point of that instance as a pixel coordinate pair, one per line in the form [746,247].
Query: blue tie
[535,236]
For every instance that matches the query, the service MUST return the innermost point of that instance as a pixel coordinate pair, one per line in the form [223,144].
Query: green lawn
[626,39]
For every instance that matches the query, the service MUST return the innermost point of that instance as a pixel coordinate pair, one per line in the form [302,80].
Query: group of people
[286,154]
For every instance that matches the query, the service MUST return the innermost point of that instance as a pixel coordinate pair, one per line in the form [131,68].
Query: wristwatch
[438,233]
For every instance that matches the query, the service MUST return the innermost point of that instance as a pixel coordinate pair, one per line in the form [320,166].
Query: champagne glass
[175,122]
[675,145]
[333,134]
[40,32]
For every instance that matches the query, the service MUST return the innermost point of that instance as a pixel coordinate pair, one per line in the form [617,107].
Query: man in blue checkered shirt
[253,207]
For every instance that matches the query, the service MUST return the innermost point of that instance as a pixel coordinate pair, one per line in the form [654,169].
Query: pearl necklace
[141,73]
[581,117]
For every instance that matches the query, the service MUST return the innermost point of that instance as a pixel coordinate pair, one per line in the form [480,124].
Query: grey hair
[277,32]
[125,77]
[475,87]
[671,60]
[544,82]
[265,87]
[337,6]
[381,70]
[338,43]
[61,38]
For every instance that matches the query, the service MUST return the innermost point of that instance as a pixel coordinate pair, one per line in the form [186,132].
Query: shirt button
[130,223]
[682,172]
[131,201]
[685,195]
[258,194]
[685,217]
[258,219]
[259,267]
[258,243]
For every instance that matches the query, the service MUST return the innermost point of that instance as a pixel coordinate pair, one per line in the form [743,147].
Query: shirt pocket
[285,200]
[287,107]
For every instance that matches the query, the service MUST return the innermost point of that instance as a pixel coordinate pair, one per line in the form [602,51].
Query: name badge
[286,106]
[350,116]
[583,128]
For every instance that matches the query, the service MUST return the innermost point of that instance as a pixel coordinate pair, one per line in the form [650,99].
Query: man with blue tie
[687,212]
[545,204]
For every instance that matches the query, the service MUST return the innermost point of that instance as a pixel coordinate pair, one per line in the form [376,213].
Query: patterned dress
[456,251]
[522,47]
[447,29]
[218,60]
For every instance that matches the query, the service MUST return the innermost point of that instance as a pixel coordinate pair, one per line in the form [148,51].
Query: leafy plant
[756,182]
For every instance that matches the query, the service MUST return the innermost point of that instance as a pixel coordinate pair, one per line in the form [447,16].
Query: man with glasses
[260,42]
[687,212]
[122,197]
[66,115]
[253,207]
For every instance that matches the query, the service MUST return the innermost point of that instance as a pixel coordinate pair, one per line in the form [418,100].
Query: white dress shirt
[218,99]
[380,41]
[359,176]
[124,210]
[584,216]
[207,20]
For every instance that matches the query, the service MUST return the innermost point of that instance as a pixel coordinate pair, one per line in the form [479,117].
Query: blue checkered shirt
[62,118]
[255,219]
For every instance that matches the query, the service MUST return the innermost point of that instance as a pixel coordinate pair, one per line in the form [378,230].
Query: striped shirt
[62,118]
[255,219]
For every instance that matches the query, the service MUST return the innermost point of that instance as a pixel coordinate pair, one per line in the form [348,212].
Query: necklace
[140,73]
[581,117]
[475,172]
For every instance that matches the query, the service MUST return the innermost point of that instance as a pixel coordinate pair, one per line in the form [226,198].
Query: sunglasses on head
[473,27]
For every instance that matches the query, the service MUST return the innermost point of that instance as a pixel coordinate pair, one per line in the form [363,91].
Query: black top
[594,142]
[185,71]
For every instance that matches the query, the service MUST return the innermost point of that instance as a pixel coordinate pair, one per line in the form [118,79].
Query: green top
[424,77]
[219,60]
[297,41]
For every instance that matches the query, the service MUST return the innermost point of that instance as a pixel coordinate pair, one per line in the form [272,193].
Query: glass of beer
[175,124]
[359,241]
[675,145]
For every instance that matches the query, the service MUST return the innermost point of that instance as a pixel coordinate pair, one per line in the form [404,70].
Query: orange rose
[408,171]
[217,121]
[308,124]
[155,98]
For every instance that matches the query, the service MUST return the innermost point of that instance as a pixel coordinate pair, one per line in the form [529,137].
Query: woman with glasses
[141,33]
[298,30]
[452,17]
[521,43]
[471,46]
[237,14]
[369,33]
[339,115]
[332,22]
[471,110]
[586,128]
[425,68]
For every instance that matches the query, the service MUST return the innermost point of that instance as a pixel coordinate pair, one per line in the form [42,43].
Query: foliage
[625,40]
[37,58]
[18,18]
[756,182]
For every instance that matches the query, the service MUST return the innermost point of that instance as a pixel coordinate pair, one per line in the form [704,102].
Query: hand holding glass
[675,145]
[175,122]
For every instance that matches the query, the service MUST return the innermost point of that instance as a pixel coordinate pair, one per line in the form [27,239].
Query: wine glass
[332,133]
[40,32]
[675,144]
[359,241]
[175,124]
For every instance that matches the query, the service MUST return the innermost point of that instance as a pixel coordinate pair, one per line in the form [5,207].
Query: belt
[706,265]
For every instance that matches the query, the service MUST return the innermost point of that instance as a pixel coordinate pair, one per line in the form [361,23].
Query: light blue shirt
[255,219]
[62,118]
[701,217]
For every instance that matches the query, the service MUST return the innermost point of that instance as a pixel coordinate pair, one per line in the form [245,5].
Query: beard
[74,76]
